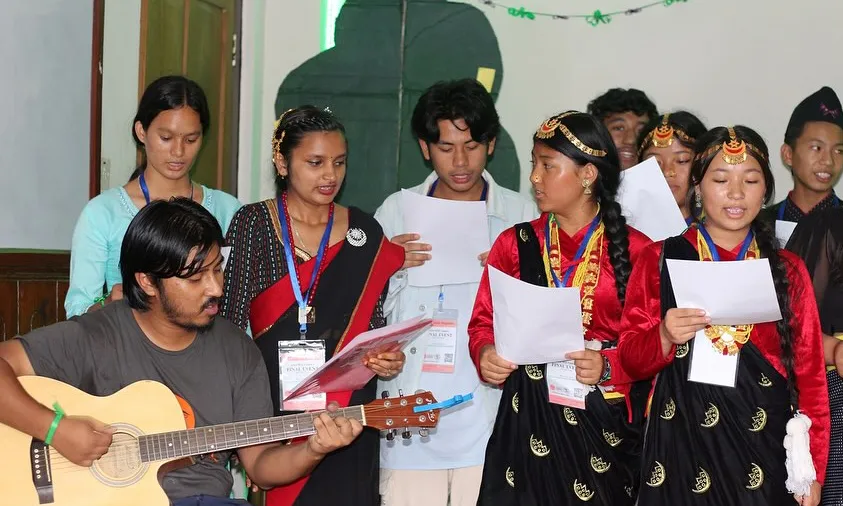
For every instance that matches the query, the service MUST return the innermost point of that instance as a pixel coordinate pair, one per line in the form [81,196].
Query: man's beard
[178,318]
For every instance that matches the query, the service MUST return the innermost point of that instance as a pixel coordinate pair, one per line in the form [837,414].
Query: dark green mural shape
[387,53]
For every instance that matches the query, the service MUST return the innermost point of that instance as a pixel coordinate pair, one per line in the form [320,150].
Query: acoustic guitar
[150,435]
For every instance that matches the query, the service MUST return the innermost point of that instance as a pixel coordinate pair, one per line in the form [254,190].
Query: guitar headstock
[400,412]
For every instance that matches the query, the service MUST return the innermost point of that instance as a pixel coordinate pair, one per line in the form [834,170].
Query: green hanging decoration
[521,13]
[594,19]
[597,18]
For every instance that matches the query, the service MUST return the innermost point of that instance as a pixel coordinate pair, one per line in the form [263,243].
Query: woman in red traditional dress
[713,445]
[303,269]
[542,453]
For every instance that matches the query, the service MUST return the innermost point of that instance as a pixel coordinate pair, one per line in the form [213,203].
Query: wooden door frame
[234,96]
[95,165]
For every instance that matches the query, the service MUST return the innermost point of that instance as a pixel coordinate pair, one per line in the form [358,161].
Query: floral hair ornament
[662,136]
[548,129]
[278,139]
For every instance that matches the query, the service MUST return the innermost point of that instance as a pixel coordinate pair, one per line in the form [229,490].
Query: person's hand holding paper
[534,324]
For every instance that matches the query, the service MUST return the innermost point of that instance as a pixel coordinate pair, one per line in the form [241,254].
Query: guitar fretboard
[215,438]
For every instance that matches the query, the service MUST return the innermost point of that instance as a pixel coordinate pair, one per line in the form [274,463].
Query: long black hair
[159,242]
[164,94]
[765,236]
[591,132]
[292,126]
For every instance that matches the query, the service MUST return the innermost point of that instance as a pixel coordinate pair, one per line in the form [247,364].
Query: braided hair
[593,134]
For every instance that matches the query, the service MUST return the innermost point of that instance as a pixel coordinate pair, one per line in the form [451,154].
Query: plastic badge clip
[453,401]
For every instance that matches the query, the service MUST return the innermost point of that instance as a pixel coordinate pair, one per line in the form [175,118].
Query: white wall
[278,36]
[120,67]
[746,62]
[45,47]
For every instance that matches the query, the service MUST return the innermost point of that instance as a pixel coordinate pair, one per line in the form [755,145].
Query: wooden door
[196,38]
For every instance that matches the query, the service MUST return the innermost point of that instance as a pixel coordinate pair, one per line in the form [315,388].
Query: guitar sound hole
[122,465]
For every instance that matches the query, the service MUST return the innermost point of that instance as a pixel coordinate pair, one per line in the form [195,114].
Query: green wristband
[100,300]
[55,425]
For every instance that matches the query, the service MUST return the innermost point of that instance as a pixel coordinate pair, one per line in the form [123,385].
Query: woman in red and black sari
[302,266]
[717,445]
[542,453]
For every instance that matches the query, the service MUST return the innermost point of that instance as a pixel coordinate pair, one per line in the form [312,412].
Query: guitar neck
[227,436]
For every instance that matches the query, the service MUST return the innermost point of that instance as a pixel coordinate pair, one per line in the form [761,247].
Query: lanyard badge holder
[297,359]
[441,349]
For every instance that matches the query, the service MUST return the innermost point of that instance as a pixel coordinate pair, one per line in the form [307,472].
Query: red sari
[347,302]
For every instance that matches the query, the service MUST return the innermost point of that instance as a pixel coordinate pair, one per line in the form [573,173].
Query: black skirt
[546,454]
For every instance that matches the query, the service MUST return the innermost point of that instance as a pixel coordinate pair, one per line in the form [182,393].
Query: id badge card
[563,387]
[711,366]
[296,361]
[440,353]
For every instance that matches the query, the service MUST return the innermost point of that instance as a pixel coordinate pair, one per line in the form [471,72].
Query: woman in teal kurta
[168,128]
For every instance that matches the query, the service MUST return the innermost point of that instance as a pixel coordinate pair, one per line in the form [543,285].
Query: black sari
[712,445]
[546,454]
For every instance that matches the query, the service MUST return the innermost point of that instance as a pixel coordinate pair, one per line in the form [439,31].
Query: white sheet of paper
[534,324]
[733,293]
[458,232]
[784,229]
[710,366]
[647,202]
[225,251]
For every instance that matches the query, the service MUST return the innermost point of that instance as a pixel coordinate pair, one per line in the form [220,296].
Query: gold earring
[586,184]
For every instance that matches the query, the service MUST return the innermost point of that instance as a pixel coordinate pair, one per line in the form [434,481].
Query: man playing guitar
[166,330]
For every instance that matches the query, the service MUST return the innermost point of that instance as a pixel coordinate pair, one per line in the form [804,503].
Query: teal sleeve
[223,209]
[88,259]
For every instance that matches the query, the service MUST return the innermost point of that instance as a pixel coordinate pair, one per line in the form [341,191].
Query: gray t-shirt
[221,376]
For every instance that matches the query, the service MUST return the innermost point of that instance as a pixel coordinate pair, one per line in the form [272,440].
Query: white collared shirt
[460,438]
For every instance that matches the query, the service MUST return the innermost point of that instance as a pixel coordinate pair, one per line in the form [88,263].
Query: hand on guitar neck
[332,433]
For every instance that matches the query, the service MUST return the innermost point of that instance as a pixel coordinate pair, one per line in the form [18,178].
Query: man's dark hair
[159,242]
[619,100]
[465,99]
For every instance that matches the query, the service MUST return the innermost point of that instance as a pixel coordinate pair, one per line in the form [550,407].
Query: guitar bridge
[39,462]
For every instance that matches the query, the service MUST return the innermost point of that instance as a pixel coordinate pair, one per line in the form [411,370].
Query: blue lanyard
[835,203]
[292,269]
[577,257]
[145,189]
[715,256]
[482,195]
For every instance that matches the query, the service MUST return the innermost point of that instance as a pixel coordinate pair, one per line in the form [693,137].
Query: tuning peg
[400,393]
[424,432]
[385,394]
[390,435]
[406,434]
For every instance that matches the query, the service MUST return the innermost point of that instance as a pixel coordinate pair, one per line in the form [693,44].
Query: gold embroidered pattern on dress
[538,447]
[702,482]
[582,492]
[599,465]
[569,415]
[759,421]
[712,416]
[534,372]
[756,477]
[669,410]
[657,475]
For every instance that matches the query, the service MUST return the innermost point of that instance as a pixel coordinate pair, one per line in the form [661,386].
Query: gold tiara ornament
[734,150]
[662,136]
[278,139]
[548,129]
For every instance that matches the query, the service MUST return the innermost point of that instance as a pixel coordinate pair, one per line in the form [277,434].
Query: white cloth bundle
[799,463]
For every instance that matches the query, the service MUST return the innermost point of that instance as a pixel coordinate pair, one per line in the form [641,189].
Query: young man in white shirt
[456,124]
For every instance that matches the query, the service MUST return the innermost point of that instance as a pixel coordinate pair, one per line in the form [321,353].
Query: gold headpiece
[734,150]
[547,129]
[662,136]
[278,139]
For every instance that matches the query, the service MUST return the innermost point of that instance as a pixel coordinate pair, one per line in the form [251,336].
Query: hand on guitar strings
[332,433]
[386,364]
[82,440]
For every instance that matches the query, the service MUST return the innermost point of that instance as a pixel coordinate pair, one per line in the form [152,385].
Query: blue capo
[453,401]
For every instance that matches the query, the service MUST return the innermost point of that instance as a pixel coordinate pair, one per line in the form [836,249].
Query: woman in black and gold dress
[542,453]
[717,445]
